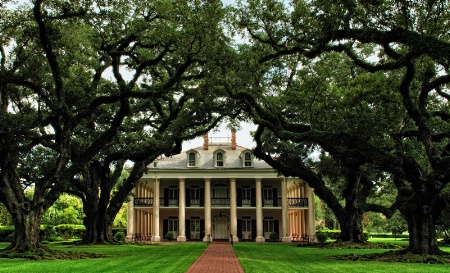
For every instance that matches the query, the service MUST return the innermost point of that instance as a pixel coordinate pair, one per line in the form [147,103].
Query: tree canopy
[95,81]
[406,44]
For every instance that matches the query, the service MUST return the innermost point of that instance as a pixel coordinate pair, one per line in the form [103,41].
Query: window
[195,225]
[191,162]
[246,225]
[247,159]
[268,197]
[173,197]
[173,226]
[268,226]
[219,160]
[246,196]
[194,196]
[192,158]
[267,193]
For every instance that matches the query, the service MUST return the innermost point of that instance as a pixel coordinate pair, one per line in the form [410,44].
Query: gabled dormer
[192,158]
[247,158]
[219,158]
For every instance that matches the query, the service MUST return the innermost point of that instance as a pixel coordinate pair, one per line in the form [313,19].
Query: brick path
[218,257]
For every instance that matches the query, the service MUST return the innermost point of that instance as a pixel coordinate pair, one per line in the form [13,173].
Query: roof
[205,159]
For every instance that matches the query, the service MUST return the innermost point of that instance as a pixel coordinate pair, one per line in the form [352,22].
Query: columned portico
[155,236]
[259,213]
[181,211]
[213,191]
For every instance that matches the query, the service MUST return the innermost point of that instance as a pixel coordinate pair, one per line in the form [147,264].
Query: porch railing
[222,202]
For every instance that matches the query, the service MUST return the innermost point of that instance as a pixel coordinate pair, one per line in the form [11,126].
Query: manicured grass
[278,257]
[171,257]
[177,257]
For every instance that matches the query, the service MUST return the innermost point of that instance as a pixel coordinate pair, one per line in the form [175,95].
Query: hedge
[64,231]
[6,233]
[68,231]
[334,234]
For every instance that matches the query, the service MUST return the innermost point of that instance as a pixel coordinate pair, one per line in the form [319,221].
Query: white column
[259,214]
[137,224]
[311,222]
[156,236]
[130,217]
[208,235]
[285,237]
[181,211]
[233,209]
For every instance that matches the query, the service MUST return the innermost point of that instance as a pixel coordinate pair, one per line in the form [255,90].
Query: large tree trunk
[97,221]
[350,222]
[421,211]
[27,221]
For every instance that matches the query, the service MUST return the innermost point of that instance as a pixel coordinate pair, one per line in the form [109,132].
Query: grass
[177,257]
[277,257]
[170,257]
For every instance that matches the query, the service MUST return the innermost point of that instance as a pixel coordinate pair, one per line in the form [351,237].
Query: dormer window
[192,158]
[247,158]
[219,158]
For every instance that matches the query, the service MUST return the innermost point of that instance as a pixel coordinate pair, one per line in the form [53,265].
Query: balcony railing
[222,202]
[297,202]
[143,202]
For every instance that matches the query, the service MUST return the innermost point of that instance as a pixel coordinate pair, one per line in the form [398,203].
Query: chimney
[233,139]
[205,141]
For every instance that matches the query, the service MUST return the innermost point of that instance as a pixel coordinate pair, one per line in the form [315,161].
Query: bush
[335,234]
[6,233]
[322,237]
[70,231]
[169,236]
[119,236]
[274,236]
[49,233]
[116,230]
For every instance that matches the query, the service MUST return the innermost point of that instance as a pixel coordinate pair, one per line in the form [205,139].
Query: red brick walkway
[218,257]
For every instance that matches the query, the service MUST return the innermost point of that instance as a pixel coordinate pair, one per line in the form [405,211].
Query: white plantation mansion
[219,191]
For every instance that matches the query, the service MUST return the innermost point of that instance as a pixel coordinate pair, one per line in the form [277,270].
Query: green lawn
[277,257]
[177,257]
[171,257]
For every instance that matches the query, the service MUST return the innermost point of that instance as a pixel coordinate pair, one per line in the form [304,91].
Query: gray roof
[205,159]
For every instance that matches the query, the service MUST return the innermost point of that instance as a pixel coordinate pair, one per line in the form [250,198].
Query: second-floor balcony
[222,202]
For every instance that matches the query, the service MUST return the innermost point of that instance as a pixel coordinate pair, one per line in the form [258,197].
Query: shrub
[322,237]
[119,236]
[274,236]
[70,231]
[116,230]
[49,233]
[6,233]
[169,236]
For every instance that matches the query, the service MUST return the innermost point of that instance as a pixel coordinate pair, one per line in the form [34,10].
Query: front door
[221,228]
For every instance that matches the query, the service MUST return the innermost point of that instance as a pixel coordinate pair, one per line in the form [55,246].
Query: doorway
[220,228]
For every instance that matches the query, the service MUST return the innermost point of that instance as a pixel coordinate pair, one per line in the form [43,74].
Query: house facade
[219,191]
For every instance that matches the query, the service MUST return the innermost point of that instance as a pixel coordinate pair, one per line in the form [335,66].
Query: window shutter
[166,198]
[239,229]
[187,228]
[188,197]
